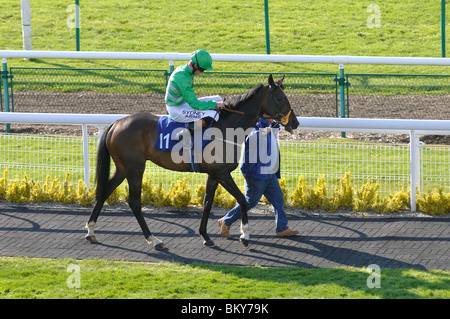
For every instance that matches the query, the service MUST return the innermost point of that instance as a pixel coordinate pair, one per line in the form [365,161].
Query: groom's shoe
[224,229]
[287,233]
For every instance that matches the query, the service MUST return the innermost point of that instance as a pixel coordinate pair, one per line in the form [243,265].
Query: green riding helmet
[202,59]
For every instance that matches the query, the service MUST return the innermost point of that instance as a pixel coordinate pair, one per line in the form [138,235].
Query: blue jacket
[258,160]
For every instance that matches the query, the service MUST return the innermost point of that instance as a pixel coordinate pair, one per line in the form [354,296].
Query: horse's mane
[237,101]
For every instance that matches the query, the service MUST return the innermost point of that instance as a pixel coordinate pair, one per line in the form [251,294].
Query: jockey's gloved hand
[220,105]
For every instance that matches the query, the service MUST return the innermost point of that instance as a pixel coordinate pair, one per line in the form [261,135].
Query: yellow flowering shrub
[160,197]
[4,184]
[115,197]
[345,195]
[312,198]
[147,197]
[199,195]
[84,195]
[223,199]
[66,193]
[180,193]
[18,191]
[365,197]
[435,203]
[297,198]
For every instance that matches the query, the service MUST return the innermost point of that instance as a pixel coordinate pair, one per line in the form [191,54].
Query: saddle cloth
[166,137]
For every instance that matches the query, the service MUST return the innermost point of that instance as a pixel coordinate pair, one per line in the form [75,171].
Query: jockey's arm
[191,99]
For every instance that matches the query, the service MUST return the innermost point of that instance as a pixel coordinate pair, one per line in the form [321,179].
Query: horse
[130,142]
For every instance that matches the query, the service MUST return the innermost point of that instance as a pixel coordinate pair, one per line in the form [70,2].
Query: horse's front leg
[211,186]
[228,183]
[245,234]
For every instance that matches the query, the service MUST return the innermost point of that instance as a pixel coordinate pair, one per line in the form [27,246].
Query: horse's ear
[279,82]
[271,82]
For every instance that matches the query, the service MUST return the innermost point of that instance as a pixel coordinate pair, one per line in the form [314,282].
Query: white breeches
[184,113]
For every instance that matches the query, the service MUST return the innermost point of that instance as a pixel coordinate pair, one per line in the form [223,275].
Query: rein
[284,119]
[234,111]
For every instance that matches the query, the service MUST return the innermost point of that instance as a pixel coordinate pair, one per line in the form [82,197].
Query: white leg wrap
[154,241]
[244,231]
[90,228]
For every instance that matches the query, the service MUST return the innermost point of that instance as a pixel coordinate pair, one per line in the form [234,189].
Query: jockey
[182,103]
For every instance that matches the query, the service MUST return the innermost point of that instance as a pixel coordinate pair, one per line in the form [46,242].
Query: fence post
[266,15]
[414,144]
[77,25]
[5,87]
[26,24]
[171,69]
[342,93]
[86,155]
[443,27]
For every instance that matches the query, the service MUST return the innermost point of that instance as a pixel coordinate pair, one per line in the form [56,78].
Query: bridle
[280,117]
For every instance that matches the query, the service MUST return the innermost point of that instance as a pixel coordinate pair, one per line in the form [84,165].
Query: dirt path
[309,105]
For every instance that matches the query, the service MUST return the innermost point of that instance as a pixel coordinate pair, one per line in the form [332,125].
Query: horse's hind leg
[135,186]
[211,186]
[113,183]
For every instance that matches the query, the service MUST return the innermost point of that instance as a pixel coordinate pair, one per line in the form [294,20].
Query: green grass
[136,81]
[308,27]
[399,84]
[42,156]
[47,278]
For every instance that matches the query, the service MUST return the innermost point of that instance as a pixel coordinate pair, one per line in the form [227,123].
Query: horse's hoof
[208,243]
[92,238]
[160,246]
[244,242]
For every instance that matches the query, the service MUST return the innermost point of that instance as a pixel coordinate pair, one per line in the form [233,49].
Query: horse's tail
[103,166]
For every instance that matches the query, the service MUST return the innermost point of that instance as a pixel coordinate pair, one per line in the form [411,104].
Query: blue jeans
[254,189]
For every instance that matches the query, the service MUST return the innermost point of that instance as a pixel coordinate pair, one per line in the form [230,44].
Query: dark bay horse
[130,142]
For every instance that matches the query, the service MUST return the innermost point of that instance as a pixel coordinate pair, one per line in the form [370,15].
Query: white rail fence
[413,128]
[273,58]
